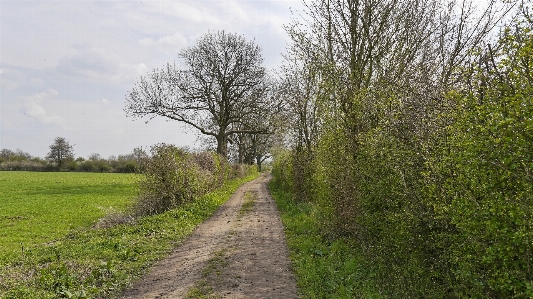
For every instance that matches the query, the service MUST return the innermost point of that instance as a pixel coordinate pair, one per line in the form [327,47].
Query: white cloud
[10,79]
[97,65]
[146,41]
[167,44]
[105,101]
[33,107]
[195,12]
[37,82]
[175,41]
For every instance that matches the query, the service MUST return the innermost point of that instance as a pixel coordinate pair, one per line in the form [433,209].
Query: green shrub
[173,176]
[282,171]
[87,166]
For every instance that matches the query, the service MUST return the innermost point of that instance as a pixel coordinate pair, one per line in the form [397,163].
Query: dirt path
[240,252]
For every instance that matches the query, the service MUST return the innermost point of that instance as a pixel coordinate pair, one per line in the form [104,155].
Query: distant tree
[95,157]
[60,152]
[6,154]
[221,85]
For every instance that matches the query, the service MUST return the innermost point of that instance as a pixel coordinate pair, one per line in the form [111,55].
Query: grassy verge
[37,207]
[100,263]
[323,269]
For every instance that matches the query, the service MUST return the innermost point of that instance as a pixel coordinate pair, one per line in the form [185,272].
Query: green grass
[100,263]
[37,207]
[323,269]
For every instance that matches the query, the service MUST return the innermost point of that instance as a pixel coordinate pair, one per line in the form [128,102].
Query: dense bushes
[173,176]
[484,180]
[435,192]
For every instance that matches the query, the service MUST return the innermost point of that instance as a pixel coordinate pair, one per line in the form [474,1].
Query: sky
[66,66]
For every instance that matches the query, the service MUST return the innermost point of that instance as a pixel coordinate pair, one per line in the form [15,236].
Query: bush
[173,176]
[170,178]
[128,167]
[440,204]
[87,166]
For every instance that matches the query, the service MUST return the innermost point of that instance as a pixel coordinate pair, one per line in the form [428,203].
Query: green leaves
[488,199]
[172,177]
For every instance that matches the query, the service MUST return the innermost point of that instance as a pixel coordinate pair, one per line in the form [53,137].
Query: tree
[222,85]
[299,91]
[60,152]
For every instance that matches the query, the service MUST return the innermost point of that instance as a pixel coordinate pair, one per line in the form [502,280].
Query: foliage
[61,152]
[172,176]
[21,161]
[418,153]
[25,166]
[14,156]
[101,263]
[485,177]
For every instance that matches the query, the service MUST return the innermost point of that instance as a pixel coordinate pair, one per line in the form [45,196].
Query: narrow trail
[240,252]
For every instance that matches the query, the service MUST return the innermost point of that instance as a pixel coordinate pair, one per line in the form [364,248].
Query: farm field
[37,207]
[87,262]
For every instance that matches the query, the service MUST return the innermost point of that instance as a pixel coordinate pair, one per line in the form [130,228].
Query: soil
[240,252]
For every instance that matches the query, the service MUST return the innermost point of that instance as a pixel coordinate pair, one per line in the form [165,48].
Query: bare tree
[220,87]
[60,152]
[411,47]
[299,90]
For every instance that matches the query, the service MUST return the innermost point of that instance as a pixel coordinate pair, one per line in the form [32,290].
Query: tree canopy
[60,152]
[219,88]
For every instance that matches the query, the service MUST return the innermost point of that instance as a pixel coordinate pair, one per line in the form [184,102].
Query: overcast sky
[65,66]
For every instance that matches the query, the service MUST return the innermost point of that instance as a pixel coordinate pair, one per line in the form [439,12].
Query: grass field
[93,262]
[37,207]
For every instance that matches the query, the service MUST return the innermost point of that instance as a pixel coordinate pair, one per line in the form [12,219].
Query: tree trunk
[222,144]
[241,150]
[259,161]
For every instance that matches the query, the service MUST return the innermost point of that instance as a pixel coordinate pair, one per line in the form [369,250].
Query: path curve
[240,252]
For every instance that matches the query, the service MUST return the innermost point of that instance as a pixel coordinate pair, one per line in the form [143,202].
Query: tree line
[61,158]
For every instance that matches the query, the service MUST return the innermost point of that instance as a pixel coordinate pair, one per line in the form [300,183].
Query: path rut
[240,252]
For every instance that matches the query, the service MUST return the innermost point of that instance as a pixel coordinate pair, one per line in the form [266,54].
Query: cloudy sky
[65,66]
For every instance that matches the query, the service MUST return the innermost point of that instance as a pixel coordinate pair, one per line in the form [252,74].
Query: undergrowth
[101,263]
[323,269]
